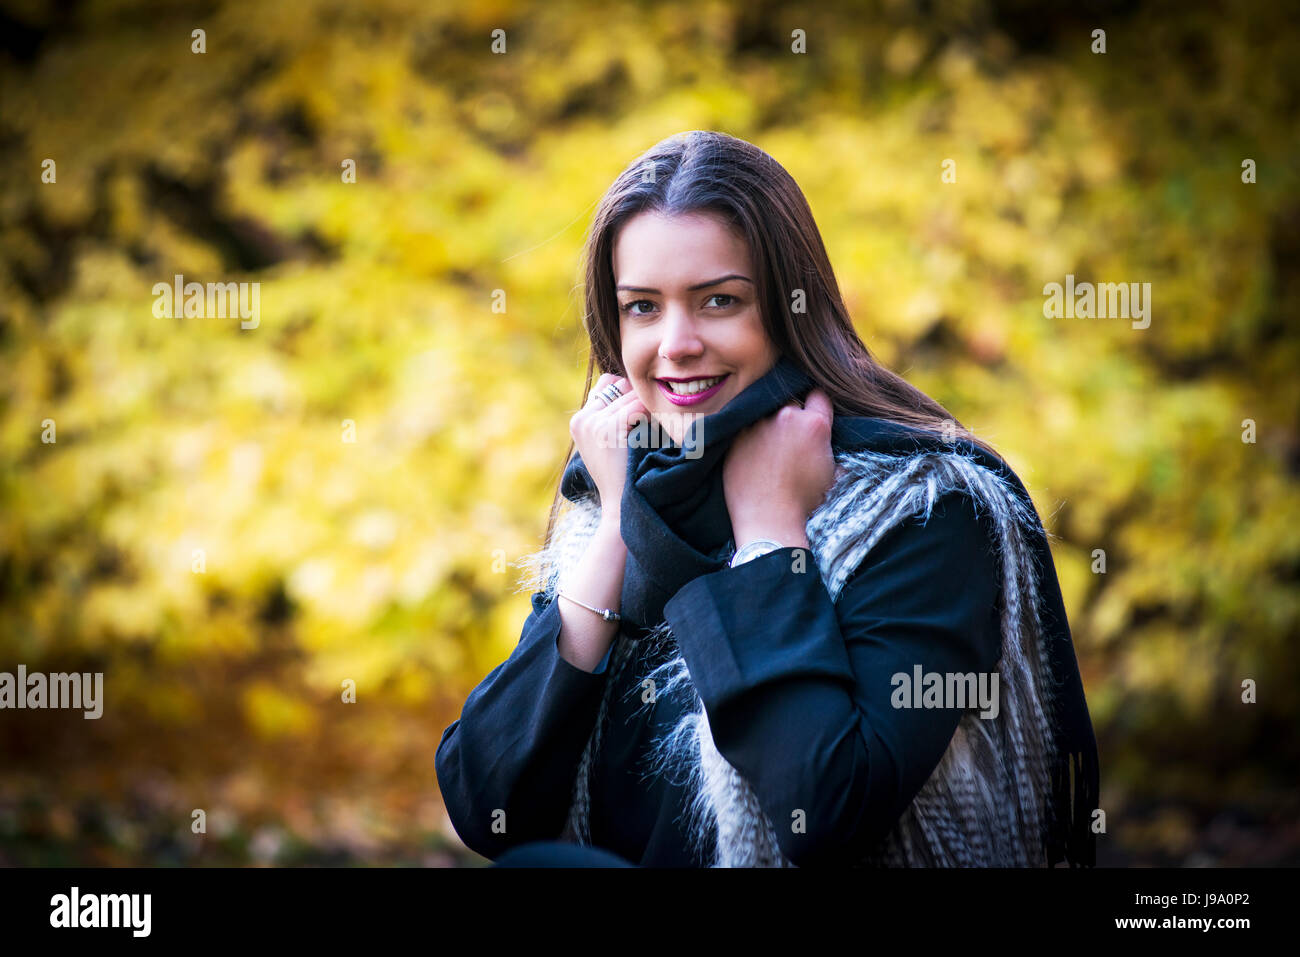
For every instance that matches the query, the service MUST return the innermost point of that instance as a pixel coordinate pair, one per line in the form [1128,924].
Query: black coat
[797,689]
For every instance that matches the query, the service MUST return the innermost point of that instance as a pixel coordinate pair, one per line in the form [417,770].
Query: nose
[680,339]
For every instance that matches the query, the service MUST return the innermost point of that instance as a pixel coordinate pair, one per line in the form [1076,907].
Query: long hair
[799,300]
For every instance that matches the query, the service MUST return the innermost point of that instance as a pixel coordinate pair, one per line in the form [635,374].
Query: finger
[610,418]
[600,383]
[615,420]
[631,414]
[596,401]
[623,403]
[604,379]
[820,403]
[793,407]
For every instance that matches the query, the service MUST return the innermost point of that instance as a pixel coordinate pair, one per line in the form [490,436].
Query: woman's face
[688,311]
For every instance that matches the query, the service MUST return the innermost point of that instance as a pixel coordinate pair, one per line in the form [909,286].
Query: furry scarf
[1012,791]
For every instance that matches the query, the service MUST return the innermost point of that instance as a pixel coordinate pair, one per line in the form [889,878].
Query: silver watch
[752,550]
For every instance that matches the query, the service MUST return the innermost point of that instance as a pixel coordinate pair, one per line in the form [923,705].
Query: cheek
[763,347]
[633,365]
[748,341]
[637,355]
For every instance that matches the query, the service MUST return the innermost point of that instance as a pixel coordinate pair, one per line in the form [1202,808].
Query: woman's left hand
[778,471]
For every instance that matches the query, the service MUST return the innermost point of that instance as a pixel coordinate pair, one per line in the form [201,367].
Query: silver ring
[609,393]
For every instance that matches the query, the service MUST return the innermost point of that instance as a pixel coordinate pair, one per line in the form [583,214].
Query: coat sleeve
[507,765]
[798,690]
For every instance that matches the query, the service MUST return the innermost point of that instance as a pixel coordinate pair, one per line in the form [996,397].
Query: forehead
[654,250]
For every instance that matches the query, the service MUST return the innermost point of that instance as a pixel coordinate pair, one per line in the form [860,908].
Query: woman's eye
[631,310]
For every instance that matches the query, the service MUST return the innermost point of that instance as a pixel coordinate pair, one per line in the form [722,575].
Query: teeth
[690,388]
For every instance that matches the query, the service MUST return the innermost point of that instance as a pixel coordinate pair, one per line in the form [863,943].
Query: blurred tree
[353,470]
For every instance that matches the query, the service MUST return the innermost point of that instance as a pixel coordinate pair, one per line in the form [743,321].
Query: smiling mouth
[692,391]
[689,387]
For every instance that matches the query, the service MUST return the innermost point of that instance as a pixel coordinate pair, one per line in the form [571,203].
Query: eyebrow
[701,285]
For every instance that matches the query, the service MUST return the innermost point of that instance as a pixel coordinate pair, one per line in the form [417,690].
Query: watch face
[752,551]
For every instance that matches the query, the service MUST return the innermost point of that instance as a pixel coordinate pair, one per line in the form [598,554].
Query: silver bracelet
[607,613]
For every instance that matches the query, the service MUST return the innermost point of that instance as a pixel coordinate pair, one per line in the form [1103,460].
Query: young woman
[805,618]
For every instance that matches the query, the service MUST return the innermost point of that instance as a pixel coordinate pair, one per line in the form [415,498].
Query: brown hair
[704,171]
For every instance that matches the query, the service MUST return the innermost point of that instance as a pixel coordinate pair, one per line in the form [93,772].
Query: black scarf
[675,524]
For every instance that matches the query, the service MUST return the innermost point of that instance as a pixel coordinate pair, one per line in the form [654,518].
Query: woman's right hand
[600,433]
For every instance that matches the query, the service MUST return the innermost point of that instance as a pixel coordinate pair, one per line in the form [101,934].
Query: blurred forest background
[380,560]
